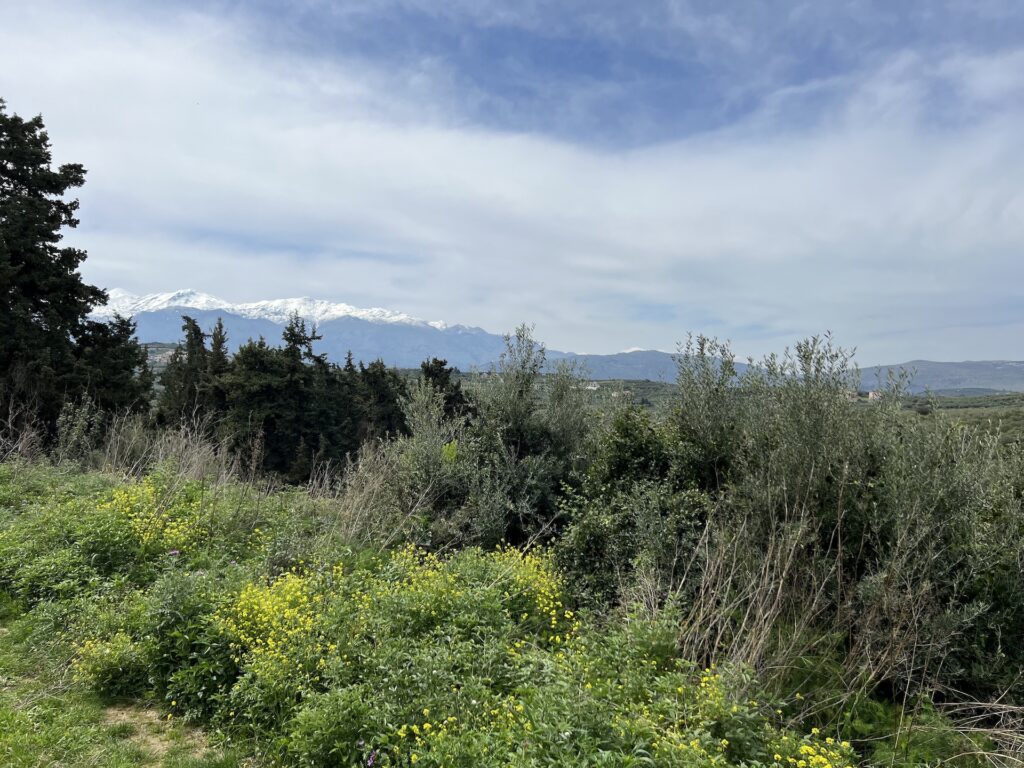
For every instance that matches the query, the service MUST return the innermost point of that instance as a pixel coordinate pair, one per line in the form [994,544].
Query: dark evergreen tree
[299,399]
[298,341]
[218,364]
[285,408]
[442,378]
[298,408]
[111,367]
[44,303]
[382,390]
[341,406]
[253,385]
[185,380]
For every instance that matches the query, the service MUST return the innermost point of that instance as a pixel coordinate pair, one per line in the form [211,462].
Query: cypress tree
[218,364]
[185,379]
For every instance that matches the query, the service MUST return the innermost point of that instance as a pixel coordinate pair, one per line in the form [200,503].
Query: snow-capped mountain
[405,341]
[275,310]
[368,334]
[396,338]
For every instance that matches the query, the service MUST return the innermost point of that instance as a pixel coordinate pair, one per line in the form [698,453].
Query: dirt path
[155,736]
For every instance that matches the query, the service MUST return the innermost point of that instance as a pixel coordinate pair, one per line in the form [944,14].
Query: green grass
[226,607]
[48,719]
[999,414]
[324,657]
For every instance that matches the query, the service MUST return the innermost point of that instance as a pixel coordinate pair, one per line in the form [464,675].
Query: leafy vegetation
[47,718]
[1001,415]
[334,565]
[380,658]
[283,410]
[768,569]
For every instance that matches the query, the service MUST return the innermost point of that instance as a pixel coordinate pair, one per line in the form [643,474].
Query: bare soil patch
[155,735]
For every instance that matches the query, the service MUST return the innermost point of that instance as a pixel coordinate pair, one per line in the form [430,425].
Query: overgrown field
[1001,415]
[768,574]
[181,594]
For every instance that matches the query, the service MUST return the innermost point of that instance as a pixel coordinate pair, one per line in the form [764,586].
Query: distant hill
[649,365]
[948,378]
[400,345]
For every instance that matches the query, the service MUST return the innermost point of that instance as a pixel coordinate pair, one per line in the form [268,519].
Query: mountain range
[404,341]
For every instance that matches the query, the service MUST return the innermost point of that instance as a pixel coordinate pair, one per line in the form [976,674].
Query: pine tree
[253,385]
[45,334]
[111,367]
[382,390]
[299,398]
[185,380]
[302,410]
[437,374]
[341,407]
[298,341]
[277,397]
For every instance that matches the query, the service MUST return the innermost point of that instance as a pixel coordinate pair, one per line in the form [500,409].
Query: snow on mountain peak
[276,310]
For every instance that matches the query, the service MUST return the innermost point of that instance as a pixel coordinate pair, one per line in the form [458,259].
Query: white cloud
[893,214]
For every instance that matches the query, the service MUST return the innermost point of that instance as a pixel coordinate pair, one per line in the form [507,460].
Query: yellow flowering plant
[161,518]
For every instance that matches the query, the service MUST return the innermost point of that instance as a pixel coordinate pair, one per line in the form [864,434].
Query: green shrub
[852,552]
[830,516]
[116,666]
[334,728]
[191,662]
[474,660]
[888,735]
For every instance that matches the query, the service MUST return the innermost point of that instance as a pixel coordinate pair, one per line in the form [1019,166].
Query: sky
[617,174]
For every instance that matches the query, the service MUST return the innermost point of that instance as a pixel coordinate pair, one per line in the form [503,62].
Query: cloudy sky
[616,173]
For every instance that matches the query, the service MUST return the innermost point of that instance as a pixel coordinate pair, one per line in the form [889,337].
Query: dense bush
[488,472]
[397,658]
[767,539]
[788,520]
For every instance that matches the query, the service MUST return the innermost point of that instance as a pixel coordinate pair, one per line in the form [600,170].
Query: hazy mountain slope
[399,344]
[165,326]
[399,339]
[644,364]
[406,346]
[1000,375]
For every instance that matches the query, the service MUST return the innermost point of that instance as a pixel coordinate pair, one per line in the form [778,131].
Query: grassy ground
[47,719]
[236,611]
[1000,414]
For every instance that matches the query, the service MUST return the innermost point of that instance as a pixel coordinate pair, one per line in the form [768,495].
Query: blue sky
[617,173]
